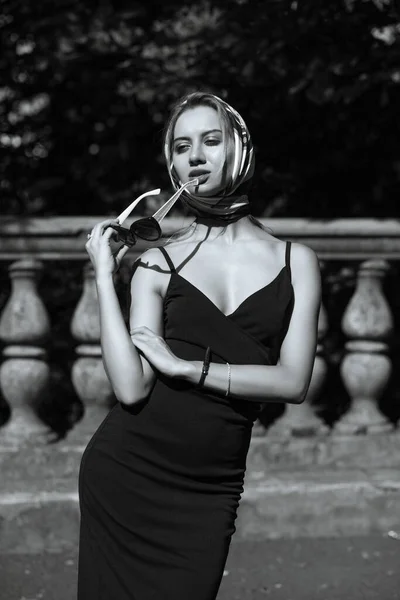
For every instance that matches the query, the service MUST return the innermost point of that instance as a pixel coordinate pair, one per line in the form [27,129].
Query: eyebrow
[203,134]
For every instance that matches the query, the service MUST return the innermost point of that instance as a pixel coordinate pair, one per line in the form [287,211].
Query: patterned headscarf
[227,207]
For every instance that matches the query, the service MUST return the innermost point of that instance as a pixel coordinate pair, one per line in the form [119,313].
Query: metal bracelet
[229,379]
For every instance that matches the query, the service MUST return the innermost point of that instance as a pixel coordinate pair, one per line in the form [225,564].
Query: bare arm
[147,310]
[130,374]
[288,381]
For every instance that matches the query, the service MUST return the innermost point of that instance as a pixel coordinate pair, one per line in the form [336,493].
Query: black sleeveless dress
[160,485]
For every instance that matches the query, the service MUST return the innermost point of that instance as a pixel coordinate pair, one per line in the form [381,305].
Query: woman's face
[198,149]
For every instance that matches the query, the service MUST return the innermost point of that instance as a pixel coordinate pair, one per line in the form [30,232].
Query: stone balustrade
[360,257]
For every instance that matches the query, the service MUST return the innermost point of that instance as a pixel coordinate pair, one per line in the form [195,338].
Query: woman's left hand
[157,352]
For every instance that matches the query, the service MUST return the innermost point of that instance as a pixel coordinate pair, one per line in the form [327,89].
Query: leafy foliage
[86,89]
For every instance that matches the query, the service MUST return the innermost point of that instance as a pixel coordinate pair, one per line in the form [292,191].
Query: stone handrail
[63,238]
[367,322]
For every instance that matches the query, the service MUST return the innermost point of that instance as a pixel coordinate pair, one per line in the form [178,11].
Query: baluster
[88,375]
[24,374]
[301,420]
[366,369]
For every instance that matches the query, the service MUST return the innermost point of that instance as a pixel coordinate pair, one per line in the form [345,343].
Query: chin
[206,189]
[211,192]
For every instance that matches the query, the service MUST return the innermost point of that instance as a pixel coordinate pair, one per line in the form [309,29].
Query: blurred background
[86,88]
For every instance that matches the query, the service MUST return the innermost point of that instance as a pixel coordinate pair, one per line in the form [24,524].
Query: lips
[202,178]
[198,172]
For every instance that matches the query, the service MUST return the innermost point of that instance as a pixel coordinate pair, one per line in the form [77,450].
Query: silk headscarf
[228,206]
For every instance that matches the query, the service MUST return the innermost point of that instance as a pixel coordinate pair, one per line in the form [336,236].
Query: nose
[196,156]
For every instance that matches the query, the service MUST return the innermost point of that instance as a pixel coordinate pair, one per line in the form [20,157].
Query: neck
[240,229]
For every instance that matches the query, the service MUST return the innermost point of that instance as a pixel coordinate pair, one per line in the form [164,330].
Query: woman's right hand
[105,260]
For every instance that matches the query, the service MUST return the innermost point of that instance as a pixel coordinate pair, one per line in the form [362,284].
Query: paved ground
[362,568]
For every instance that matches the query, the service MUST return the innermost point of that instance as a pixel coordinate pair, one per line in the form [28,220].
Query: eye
[213,141]
[181,148]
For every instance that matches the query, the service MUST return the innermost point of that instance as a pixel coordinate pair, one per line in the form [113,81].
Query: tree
[86,89]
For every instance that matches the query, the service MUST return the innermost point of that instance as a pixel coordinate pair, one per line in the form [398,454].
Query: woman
[223,320]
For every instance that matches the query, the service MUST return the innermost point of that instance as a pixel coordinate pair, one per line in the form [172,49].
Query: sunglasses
[147,228]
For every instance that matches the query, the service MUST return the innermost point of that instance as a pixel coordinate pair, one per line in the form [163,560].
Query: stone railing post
[301,421]
[88,375]
[24,374]
[366,368]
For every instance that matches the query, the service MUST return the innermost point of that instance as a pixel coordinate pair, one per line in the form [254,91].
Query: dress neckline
[248,298]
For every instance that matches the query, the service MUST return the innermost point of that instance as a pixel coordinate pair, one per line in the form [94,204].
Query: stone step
[35,522]
[62,459]
[319,503]
[44,515]
[327,486]
[333,451]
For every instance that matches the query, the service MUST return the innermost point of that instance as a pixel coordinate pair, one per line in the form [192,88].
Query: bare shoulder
[304,262]
[303,254]
[151,260]
[149,271]
[152,256]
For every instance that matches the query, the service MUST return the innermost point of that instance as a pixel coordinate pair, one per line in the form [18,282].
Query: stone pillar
[88,375]
[366,368]
[301,421]
[24,374]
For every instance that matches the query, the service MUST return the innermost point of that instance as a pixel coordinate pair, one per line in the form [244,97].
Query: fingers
[139,330]
[99,241]
[101,227]
[143,330]
[121,253]
[109,232]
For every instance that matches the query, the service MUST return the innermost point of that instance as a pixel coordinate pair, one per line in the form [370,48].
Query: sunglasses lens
[146,229]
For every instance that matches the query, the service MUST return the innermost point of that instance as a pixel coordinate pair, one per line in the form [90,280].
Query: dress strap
[167,258]
[287,259]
